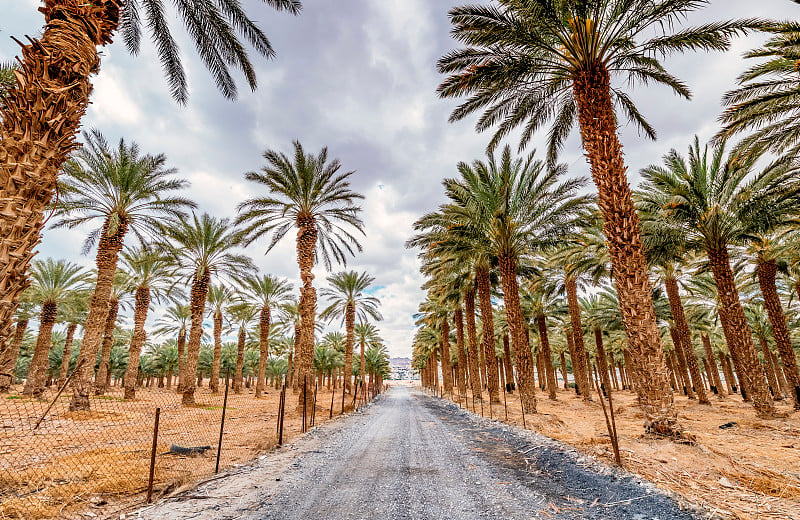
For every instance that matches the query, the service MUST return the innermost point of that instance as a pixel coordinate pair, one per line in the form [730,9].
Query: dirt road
[411,456]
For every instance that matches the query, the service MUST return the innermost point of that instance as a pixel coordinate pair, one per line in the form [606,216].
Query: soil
[749,471]
[409,456]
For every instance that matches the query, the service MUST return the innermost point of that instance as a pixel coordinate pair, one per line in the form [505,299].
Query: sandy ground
[80,464]
[750,471]
[411,456]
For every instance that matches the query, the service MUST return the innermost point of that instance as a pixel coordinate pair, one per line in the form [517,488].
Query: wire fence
[53,460]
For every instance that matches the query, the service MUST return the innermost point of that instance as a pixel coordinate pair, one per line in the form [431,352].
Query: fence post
[153,458]
[222,422]
[505,401]
[314,408]
[305,385]
[282,412]
[333,394]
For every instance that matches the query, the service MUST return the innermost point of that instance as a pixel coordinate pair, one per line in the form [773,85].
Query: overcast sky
[359,77]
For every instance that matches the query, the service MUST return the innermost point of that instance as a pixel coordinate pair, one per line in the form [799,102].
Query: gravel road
[411,456]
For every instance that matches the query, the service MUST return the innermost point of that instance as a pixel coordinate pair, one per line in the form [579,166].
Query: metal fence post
[222,422]
[153,458]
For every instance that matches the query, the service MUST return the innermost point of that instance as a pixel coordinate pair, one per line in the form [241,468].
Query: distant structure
[401,369]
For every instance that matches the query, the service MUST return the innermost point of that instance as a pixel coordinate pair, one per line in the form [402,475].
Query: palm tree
[532,62]
[350,302]
[434,315]
[41,113]
[241,315]
[366,334]
[150,275]
[120,290]
[10,352]
[201,248]
[53,283]
[309,193]
[73,313]
[715,204]
[7,79]
[764,106]
[219,297]
[175,321]
[124,191]
[266,292]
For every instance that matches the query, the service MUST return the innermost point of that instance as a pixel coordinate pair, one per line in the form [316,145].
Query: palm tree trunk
[766,280]
[685,338]
[137,341]
[304,356]
[601,360]
[363,365]
[473,357]
[580,362]
[490,361]
[769,372]
[197,305]
[738,334]
[67,354]
[101,380]
[458,319]
[8,357]
[214,381]
[519,337]
[688,387]
[598,125]
[508,366]
[37,373]
[447,372]
[544,340]
[349,325]
[712,364]
[39,119]
[563,360]
[99,307]
[263,343]
[238,372]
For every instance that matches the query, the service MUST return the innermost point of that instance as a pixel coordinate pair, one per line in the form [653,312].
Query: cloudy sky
[359,77]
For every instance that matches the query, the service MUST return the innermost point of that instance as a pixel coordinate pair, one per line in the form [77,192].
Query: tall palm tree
[73,313]
[219,297]
[53,282]
[309,193]
[9,352]
[241,315]
[150,274]
[715,204]
[118,299]
[266,292]
[201,249]
[434,315]
[350,302]
[175,321]
[366,334]
[123,191]
[528,63]
[42,111]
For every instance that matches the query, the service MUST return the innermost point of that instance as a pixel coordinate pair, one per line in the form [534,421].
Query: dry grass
[100,459]
[748,472]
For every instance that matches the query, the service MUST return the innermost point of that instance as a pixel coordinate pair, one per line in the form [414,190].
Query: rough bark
[580,362]
[304,355]
[688,387]
[103,370]
[571,348]
[349,325]
[473,357]
[602,366]
[519,338]
[197,306]
[685,338]
[769,372]
[141,307]
[730,379]
[37,372]
[99,305]
[766,280]
[458,319]
[8,358]
[563,360]
[39,120]
[214,381]
[238,373]
[712,364]
[67,353]
[490,361]
[738,335]
[263,344]
[597,121]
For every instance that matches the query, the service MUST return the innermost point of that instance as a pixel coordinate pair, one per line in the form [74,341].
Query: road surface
[412,456]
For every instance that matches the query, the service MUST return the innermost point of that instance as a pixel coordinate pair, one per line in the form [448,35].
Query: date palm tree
[7,79]
[529,63]
[41,113]
[150,274]
[241,316]
[118,299]
[366,334]
[718,202]
[764,107]
[53,282]
[350,301]
[124,191]
[310,193]
[175,321]
[73,312]
[266,292]
[219,297]
[10,352]
[201,249]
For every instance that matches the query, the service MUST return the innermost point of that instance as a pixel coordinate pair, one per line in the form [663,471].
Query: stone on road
[411,456]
